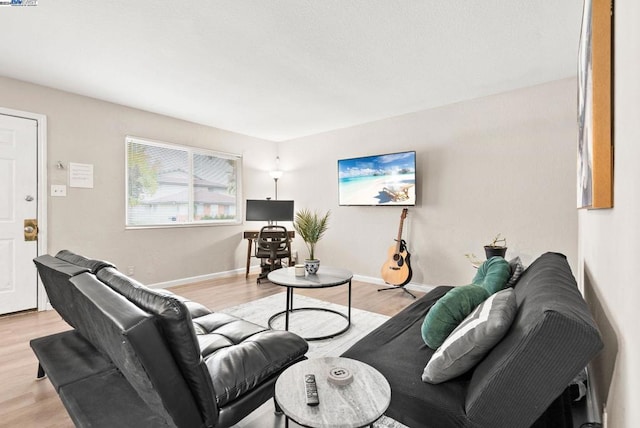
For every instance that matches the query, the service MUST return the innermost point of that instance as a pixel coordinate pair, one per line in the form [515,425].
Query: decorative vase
[492,251]
[312,266]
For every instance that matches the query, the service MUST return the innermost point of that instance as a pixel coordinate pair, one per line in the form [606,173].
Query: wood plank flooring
[26,402]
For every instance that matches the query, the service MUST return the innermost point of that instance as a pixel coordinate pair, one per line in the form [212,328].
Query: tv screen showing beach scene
[388,179]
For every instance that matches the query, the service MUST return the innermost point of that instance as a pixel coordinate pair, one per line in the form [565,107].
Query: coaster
[340,376]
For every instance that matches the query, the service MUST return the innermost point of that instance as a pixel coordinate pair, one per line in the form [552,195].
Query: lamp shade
[275,174]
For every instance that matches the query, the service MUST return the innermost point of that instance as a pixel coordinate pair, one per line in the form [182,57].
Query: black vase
[494,251]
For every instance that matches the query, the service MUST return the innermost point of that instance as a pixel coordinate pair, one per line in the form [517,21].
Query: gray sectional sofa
[138,357]
[519,383]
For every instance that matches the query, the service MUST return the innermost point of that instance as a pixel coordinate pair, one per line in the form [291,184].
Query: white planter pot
[312,266]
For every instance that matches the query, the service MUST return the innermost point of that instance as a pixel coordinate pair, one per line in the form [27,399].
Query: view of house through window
[177,185]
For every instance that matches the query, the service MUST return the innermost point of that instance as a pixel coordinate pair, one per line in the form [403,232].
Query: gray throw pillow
[516,267]
[449,311]
[473,338]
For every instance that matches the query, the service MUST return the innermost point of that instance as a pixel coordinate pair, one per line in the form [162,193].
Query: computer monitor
[269,210]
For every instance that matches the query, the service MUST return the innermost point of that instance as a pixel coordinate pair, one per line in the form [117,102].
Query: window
[171,185]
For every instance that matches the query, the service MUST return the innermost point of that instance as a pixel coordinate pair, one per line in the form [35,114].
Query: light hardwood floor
[26,402]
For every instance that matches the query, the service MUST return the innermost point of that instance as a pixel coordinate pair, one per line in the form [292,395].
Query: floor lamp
[276,174]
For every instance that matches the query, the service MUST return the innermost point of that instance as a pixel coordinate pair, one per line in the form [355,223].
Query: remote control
[311,390]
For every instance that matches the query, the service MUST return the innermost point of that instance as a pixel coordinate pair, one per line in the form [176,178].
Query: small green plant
[498,240]
[311,226]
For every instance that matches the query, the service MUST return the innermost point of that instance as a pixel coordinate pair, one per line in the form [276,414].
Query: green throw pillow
[449,311]
[493,274]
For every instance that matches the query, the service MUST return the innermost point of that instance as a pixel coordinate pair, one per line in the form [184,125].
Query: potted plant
[494,249]
[311,226]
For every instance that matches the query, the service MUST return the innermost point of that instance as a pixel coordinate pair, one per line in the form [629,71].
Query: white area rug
[311,323]
[316,323]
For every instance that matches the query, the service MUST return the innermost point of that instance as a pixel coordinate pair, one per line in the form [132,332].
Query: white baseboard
[199,278]
[378,281]
[362,278]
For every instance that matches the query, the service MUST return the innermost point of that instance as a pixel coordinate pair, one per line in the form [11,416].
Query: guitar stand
[398,287]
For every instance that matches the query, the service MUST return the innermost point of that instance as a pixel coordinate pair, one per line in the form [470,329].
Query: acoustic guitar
[397,269]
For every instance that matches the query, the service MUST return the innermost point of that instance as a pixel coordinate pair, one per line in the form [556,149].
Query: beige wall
[491,165]
[610,239]
[91,221]
[504,164]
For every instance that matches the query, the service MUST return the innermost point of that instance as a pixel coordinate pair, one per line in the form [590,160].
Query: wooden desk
[252,235]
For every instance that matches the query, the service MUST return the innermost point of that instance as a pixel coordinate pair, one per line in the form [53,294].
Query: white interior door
[18,202]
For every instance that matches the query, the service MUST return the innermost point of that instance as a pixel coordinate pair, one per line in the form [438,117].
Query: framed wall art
[595,107]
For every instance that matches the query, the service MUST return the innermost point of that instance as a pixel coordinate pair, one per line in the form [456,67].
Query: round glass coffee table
[326,277]
[358,404]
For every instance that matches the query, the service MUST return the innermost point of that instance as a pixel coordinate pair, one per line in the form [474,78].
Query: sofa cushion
[397,351]
[449,312]
[493,274]
[240,355]
[473,338]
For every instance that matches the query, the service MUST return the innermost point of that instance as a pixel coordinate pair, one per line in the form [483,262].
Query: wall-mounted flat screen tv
[269,210]
[387,179]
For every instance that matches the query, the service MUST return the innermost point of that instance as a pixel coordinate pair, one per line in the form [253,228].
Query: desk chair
[272,246]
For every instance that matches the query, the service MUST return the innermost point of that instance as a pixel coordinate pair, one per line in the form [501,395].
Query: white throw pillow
[473,338]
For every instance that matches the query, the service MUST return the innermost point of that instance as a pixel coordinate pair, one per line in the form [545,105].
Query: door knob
[28,198]
[30,229]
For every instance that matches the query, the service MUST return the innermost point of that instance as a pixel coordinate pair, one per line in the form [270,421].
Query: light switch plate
[58,190]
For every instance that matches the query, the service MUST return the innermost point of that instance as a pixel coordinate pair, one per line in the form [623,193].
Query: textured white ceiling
[280,69]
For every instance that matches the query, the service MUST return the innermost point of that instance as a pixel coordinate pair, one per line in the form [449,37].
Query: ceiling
[281,69]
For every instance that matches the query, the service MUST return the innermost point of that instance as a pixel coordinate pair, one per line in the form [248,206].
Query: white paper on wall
[81,175]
